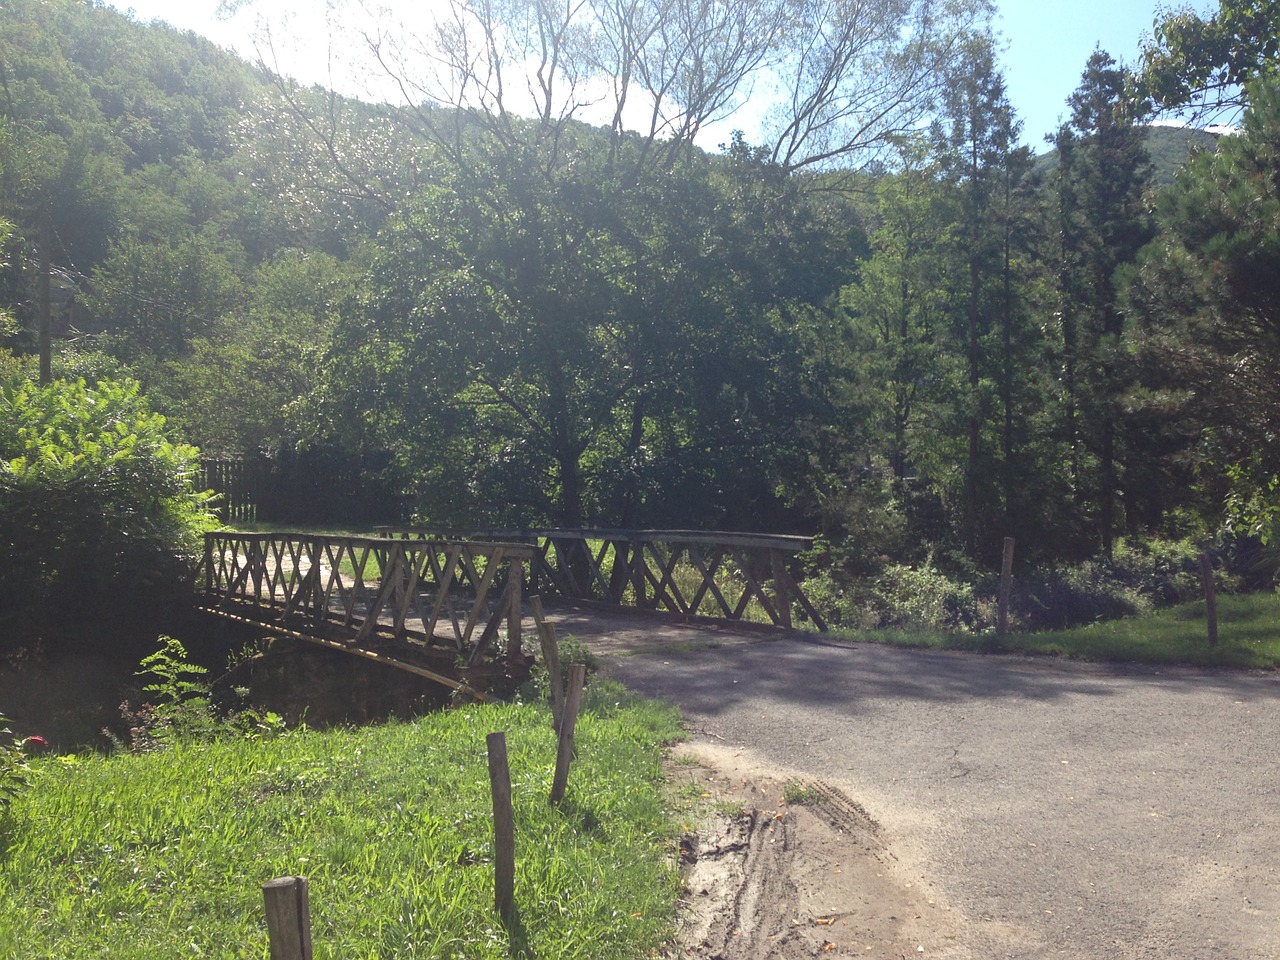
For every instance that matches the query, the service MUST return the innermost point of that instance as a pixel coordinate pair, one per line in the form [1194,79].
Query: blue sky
[1047,43]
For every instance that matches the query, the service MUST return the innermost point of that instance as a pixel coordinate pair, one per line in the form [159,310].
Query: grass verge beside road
[1248,627]
[163,855]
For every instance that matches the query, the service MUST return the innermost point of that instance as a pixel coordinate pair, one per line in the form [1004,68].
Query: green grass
[163,855]
[1248,631]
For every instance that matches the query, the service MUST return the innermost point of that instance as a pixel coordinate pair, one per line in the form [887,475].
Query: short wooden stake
[504,828]
[564,752]
[1210,598]
[1006,588]
[288,918]
[550,660]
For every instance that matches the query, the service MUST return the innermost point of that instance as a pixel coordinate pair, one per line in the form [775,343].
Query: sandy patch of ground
[768,879]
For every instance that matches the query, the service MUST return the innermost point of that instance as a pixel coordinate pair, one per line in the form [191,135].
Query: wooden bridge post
[515,577]
[637,573]
[208,564]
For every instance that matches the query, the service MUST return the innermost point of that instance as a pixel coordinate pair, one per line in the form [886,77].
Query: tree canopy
[1205,65]
[528,295]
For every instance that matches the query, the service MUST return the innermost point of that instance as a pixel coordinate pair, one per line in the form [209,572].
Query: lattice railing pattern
[429,592]
[722,576]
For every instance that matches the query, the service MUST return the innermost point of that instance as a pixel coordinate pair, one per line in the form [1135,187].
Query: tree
[599,332]
[1102,223]
[584,353]
[1206,297]
[234,389]
[842,77]
[855,75]
[984,166]
[899,311]
[8,326]
[1205,66]
[155,298]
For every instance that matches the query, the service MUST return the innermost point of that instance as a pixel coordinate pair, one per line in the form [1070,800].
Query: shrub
[1068,596]
[96,504]
[179,708]
[924,598]
[901,597]
[1141,575]
[15,773]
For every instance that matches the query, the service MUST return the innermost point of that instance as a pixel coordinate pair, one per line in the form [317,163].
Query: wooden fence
[720,576]
[426,593]
[239,484]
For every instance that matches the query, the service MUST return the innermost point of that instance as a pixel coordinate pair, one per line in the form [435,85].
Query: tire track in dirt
[779,881]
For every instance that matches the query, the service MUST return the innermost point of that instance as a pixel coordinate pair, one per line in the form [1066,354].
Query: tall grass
[163,855]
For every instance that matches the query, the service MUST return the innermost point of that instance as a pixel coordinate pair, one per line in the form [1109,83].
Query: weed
[15,773]
[796,792]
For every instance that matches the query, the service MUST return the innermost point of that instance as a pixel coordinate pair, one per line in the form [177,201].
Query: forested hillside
[911,338]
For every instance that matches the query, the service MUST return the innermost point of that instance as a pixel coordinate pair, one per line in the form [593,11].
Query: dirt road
[1027,808]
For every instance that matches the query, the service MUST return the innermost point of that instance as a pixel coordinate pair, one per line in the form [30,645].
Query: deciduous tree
[1203,65]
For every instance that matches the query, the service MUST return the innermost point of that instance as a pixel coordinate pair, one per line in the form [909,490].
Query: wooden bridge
[451,606]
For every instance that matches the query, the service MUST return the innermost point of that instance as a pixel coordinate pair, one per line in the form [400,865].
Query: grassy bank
[163,855]
[1248,626]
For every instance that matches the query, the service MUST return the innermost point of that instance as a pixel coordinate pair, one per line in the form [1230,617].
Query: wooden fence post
[564,750]
[504,830]
[288,918]
[1210,598]
[778,567]
[1006,587]
[550,660]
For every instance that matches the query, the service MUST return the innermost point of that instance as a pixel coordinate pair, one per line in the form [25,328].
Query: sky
[1046,42]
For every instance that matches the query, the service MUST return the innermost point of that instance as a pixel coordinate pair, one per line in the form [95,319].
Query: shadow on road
[710,669]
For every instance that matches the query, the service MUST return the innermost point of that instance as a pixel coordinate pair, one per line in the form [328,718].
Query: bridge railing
[426,591]
[722,576]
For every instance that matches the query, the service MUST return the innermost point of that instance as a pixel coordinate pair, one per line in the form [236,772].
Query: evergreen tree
[1102,223]
[985,168]
[1209,310]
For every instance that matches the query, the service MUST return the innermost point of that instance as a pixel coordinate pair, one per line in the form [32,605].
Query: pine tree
[1103,222]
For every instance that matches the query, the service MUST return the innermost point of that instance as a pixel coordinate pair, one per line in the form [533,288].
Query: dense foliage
[97,506]
[914,340]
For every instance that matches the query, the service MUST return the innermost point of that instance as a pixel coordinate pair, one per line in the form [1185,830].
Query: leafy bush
[925,598]
[96,505]
[15,773]
[1141,575]
[901,597]
[1068,596]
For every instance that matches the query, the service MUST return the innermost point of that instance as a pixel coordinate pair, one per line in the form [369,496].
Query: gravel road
[1057,809]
